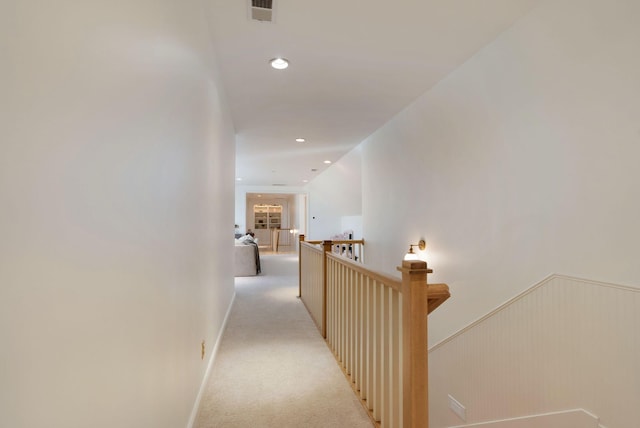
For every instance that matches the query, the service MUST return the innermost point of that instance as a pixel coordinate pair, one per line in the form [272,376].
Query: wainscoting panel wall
[566,343]
[577,418]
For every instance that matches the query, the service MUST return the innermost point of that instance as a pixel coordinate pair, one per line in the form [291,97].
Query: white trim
[212,357]
[525,293]
[595,418]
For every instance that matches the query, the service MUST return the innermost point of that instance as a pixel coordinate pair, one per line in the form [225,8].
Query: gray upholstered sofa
[246,259]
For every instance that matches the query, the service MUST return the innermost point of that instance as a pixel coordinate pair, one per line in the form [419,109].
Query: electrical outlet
[457,408]
[202,351]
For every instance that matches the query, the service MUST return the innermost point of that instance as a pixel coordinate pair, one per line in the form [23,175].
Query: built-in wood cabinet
[267,217]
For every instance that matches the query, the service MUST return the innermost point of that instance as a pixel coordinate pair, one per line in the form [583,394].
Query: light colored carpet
[273,368]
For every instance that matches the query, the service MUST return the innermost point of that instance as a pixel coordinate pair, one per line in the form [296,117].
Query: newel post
[415,363]
[300,241]
[326,247]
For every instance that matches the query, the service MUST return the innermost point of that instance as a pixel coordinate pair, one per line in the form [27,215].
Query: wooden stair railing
[361,313]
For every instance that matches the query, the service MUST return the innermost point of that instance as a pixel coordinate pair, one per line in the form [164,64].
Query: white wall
[116,172]
[353,223]
[334,194]
[301,213]
[521,163]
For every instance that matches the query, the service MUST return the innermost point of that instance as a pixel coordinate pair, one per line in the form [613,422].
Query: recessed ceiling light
[314,169]
[239,179]
[327,161]
[279,63]
[300,140]
[305,181]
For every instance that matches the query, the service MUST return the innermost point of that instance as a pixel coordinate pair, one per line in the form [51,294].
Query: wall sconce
[413,256]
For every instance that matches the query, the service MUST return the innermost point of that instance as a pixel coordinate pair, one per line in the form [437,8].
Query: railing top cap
[414,266]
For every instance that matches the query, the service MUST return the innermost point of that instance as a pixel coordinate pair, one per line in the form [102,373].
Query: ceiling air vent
[262,10]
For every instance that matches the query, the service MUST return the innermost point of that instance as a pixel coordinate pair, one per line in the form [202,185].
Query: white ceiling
[354,65]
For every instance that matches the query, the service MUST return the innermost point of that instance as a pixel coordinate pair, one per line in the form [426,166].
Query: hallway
[273,369]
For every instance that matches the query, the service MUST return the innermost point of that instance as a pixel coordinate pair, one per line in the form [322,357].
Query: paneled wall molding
[549,279]
[564,343]
[562,419]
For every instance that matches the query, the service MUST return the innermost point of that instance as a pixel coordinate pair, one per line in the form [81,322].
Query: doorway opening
[277,219]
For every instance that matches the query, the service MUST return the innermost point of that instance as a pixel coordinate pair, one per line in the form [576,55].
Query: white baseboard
[212,357]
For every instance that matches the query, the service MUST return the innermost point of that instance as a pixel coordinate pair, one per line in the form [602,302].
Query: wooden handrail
[438,294]
[314,245]
[391,281]
[348,241]
[360,296]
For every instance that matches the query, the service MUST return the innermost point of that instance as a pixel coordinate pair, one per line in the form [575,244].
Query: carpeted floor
[273,368]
